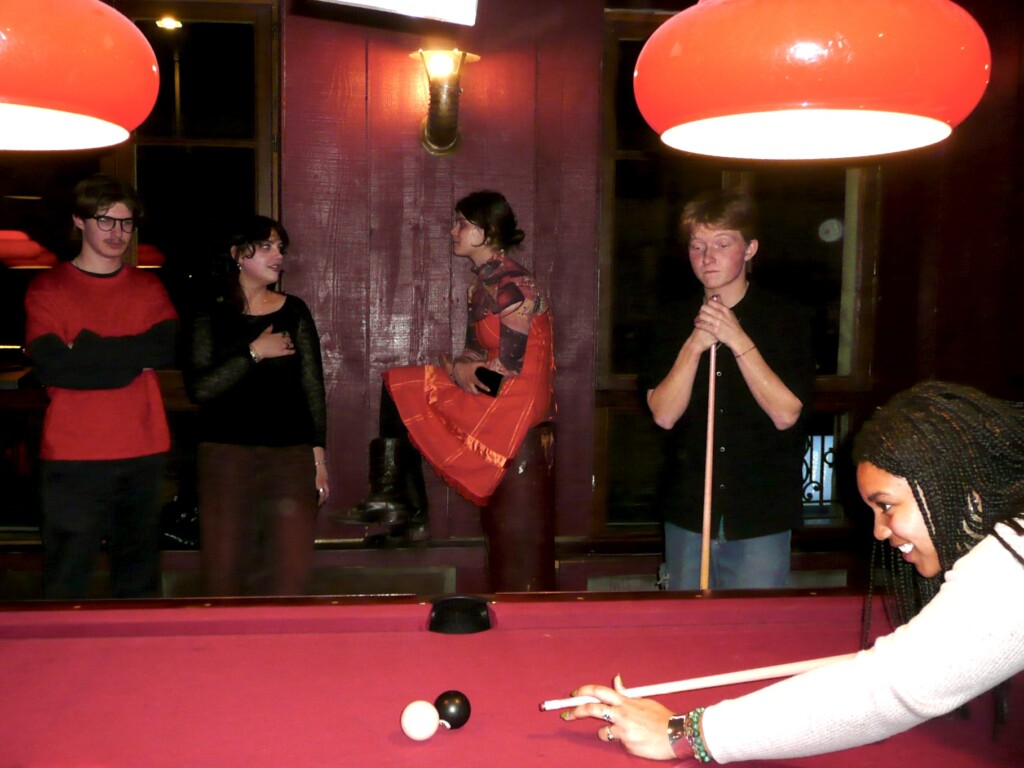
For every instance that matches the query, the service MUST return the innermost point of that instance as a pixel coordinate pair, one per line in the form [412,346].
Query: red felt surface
[324,685]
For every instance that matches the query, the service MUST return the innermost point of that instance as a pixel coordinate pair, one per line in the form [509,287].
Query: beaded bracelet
[254,354]
[687,728]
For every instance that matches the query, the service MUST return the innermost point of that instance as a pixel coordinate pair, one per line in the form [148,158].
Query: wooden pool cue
[711,681]
[705,540]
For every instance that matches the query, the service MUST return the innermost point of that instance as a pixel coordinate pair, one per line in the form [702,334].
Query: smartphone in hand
[491,379]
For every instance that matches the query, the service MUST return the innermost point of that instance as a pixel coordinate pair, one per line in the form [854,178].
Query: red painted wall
[369,212]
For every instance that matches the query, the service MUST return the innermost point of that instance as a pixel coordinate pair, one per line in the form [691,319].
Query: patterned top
[504,288]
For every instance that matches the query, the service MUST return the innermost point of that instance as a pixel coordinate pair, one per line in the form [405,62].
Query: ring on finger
[607,716]
[608,734]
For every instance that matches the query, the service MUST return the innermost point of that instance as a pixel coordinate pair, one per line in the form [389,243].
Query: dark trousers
[85,503]
[257,514]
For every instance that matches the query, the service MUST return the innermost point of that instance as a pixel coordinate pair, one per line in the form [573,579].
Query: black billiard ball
[453,707]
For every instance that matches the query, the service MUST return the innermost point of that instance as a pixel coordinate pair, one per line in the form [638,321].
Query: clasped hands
[717,323]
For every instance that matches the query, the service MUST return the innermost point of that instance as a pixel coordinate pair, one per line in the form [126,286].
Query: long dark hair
[962,454]
[243,241]
[491,212]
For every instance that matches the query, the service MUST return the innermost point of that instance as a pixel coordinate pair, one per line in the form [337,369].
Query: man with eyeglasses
[96,328]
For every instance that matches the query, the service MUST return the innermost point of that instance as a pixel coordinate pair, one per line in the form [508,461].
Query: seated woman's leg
[397,495]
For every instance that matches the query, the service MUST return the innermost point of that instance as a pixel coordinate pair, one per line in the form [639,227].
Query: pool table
[322,682]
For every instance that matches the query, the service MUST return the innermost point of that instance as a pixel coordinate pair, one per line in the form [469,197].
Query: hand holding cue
[711,681]
[705,536]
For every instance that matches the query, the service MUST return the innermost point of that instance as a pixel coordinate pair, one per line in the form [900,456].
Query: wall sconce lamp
[74,74]
[806,79]
[439,131]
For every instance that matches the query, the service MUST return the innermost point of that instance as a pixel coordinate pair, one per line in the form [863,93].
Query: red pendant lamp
[74,74]
[806,79]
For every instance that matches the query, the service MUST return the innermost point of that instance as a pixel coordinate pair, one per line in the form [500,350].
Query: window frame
[264,15]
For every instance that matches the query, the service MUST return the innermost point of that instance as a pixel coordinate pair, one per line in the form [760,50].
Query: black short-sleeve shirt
[757,469]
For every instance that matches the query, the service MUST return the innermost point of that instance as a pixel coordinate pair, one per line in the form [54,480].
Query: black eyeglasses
[106,223]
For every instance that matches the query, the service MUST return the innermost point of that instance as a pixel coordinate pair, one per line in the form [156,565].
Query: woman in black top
[257,375]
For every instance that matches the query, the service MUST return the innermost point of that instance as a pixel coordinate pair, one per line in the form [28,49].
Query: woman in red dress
[448,412]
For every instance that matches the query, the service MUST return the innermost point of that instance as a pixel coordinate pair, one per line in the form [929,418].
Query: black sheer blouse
[276,402]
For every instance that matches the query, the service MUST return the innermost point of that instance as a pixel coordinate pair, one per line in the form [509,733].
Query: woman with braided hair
[965,454]
[941,466]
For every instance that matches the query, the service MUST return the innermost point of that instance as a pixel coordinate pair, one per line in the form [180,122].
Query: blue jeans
[758,563]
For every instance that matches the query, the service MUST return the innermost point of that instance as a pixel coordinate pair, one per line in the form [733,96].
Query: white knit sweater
[965,641]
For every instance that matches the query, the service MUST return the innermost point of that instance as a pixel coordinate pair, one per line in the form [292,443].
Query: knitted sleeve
[307,343]
[56,364]
[206,376]
[966,640]
[153,348]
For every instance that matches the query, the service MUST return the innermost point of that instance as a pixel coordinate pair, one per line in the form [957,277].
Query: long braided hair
[962,454]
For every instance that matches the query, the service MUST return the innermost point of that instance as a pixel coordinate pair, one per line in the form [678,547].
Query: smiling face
[898,519]
[263,267]
[719,259]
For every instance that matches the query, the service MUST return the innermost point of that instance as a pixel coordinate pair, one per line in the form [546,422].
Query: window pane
[800,253]
[193,196]
[36,195]
[650,268]
[207,85]
[631,129]
[635,447]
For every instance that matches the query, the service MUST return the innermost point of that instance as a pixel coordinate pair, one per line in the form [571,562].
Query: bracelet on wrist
[254,354]
[741,354]
[318,463]
[686,729]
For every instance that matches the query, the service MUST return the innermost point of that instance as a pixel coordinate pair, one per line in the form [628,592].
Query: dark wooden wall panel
[568,205]
[325,175]
[370,212]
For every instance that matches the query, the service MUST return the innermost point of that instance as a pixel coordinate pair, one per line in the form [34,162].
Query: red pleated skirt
[469,439]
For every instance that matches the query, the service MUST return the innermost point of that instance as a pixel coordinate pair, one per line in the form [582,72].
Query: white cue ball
[420,720]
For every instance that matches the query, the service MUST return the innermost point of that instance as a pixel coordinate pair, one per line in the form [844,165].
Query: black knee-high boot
[415,529]
[398,496]
[389,502]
